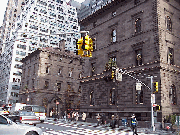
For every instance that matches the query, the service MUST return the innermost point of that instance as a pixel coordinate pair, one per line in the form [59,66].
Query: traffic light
[157,108]
[86,43]
[84,46]
[112,74]
[79,43]
[155,87]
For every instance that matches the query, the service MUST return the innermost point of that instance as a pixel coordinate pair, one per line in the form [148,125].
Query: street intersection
[62,127]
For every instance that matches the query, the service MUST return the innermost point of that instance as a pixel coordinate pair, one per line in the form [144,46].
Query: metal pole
[152,113]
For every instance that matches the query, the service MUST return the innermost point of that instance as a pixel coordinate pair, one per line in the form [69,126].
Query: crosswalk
[83,128]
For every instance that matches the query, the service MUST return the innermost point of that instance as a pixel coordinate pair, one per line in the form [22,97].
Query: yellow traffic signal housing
[84,46]
[155,87]
[112,74]
[79,43]
[158,108]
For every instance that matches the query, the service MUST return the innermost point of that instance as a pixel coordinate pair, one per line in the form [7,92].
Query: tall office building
[42,23]
[89,7]
[13,9]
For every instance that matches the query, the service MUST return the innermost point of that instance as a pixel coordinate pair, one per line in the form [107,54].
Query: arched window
[112,97]
[91,97]
[138,25]
[169,23]
[172,95]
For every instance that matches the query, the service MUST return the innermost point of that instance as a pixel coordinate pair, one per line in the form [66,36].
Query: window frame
[169,23]
[138,25]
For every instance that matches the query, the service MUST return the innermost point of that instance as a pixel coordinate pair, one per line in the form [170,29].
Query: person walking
[98,117]
[74,116]
[134,124]
[113,122]
[103,119]
[65,115]
[51,113]
[84,117]
[77,116]
[69,116]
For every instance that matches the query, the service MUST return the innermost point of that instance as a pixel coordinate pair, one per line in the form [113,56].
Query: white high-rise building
[42,23]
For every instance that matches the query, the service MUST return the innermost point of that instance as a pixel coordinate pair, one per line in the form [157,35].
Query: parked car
[8,127]
[26,117]
[3,111]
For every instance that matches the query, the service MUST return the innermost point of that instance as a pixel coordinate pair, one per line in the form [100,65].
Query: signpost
[118,75]
[177,122]
[138,86]
[152,102]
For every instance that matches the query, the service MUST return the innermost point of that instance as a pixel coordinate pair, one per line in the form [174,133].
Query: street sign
[153,98]
[154,105]
[138,86]
[118,75]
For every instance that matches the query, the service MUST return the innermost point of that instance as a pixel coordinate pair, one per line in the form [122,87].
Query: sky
[3,5]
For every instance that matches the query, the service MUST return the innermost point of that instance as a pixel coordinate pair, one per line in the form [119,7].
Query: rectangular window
[58,86]
[112,97]
[92,68]
[139,97]
[70,72]
[33,84]
[113,36]
[47,69]
[46,84]
[170,56]
[138,57]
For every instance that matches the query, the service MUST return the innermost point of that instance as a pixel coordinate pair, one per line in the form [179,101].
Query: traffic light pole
[152,113]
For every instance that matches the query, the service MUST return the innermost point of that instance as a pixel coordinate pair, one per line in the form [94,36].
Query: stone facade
[50,76]
[142,38]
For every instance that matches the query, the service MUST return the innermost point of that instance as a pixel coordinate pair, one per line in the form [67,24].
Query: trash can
[124,122]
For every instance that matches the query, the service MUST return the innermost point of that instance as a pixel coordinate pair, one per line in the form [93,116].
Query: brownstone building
[141,37]
[50,79]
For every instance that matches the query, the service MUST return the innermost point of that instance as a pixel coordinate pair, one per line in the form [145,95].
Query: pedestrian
[134,124]
[74,116]
[65,115]
[113,122]
[98,117]
[117,121]
[69,116]
[51,113]
[77,116]
[103,119]
[84,117]
[164,121]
